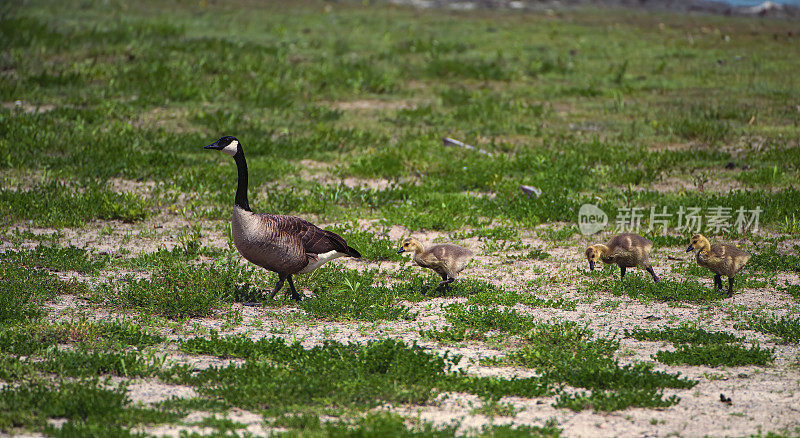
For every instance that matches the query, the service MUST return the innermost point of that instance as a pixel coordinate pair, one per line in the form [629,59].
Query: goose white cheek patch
[231,148]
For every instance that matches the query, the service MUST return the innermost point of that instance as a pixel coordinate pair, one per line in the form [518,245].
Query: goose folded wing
[314,239]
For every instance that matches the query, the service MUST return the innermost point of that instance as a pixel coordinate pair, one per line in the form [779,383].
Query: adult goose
[286,245]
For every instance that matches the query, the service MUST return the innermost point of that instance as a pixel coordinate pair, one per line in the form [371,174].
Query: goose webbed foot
[295,295]
[621,272]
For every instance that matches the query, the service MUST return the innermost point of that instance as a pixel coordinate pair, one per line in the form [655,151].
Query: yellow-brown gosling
[445,259]
[720,259]
[625,250]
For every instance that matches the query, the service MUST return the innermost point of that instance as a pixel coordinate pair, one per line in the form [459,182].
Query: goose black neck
[241,188]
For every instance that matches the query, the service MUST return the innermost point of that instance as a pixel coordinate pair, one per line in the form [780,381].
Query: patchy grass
[334,376]
[180,291]
[565,353]
[684,335]
[57,205]
[644,289]
[102,121]
[716,355]
[86,404]
[25,289]
[787,329]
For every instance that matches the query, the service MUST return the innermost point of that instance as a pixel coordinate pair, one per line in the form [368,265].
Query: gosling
[625,250]
[720,259]
[445,259]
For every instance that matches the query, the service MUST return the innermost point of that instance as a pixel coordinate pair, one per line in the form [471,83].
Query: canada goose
[445,259]
[286,245]
[720,259]
[625,250]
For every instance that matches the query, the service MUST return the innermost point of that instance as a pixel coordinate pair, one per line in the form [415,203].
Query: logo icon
[591,219]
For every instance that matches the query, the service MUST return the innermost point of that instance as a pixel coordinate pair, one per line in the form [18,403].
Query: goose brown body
[625,250]
[286,245]
[720,259]
[445,259]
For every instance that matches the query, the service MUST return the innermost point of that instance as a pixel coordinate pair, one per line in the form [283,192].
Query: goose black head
[229,145]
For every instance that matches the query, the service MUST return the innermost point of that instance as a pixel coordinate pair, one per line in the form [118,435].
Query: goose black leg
[650,270]
[621,272]
[730,286]
[295,295]
[718,282]
[278,285]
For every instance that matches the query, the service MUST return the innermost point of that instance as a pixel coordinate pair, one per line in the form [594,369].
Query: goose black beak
[400,251]
[212,146]
[690,248]
[591,265]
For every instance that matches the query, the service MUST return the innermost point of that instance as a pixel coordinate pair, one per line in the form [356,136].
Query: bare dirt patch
[374,104]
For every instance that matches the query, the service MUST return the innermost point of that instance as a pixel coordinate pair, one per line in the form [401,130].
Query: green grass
[598,106]
[180,290]
[57,258]
[683,335]
[86,404]
[279,377]
[482,319]
[25,289]
[787,329]
[716,355]
[769,259]
[57,205]
[34,337]
[566,353]
[644,289]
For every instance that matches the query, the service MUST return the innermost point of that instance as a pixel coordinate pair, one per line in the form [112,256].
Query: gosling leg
[718,282]
[621,272]
[446,282]
[278,285]
[655,277]
[730,286]
[295,295]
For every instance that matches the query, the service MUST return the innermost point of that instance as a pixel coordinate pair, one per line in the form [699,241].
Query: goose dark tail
[352,252]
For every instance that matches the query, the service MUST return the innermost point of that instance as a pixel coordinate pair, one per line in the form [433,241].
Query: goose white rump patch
[231,148]
[321,259]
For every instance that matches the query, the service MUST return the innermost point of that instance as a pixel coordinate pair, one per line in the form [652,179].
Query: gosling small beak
[690,248]
[591,265]
[400,251]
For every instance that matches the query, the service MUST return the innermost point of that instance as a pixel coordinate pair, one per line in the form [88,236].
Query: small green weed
[56,258]
[58,205]
[83,402]
[644,289]
[785,328]
[607,401]
[683,335]
[716,355]
[333,375]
